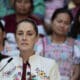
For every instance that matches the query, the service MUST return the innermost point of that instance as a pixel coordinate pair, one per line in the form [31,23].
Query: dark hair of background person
[30,21]
[75,30]
[77,2]
[58,11]
[61,10]
[32,5]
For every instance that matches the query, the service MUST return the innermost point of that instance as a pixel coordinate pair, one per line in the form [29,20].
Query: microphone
[6,64]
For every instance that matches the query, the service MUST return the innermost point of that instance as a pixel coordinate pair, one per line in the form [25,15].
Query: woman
[28,66]
[2,39]
[60,47]
[23,10]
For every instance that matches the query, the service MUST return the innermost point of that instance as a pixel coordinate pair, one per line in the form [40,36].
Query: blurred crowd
[45,14]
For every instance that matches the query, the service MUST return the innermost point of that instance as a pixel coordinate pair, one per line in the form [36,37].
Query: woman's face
[23,6]
[1,36]
[61,24]
[25,36]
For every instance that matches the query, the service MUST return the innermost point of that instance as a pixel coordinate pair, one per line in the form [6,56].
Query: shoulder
[46,61]
[77,42]
[43,40]
[47,40]
[36,19]
[10,61]
[72,41]
[9,17]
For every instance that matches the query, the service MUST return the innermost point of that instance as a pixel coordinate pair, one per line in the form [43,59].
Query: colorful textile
[41,69]
[65,54]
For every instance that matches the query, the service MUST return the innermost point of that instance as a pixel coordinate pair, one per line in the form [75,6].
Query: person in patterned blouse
[28,66]
[58,46]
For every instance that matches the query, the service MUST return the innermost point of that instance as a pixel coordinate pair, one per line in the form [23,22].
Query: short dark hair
[30,21]
[61,10]
[75,29]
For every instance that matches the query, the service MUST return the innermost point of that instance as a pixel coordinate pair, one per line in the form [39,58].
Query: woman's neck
[26,54]
[58,39]
[20,17]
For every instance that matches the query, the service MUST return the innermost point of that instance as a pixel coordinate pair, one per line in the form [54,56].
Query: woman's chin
[23,49]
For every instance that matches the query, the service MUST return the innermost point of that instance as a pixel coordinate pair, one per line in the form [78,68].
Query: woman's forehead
[63,15]
[25,26]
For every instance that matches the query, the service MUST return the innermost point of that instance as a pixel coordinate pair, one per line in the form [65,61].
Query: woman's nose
[62,24]
[24,37]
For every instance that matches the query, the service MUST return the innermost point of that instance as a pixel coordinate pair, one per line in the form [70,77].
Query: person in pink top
[60,47]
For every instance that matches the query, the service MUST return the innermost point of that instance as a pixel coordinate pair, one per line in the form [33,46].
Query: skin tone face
[25,36]
[1,36]
[61,24]
[23,7]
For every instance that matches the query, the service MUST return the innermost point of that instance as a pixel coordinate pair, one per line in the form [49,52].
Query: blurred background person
[60,47]
[75,29]
[6,8]
[73,6]
[50,7]
[2,40]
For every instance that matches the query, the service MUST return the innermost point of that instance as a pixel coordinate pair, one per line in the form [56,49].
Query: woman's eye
[67,23]
[20,33]
[30,34]
[59,21]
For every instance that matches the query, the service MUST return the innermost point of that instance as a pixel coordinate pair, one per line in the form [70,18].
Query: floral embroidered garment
[41,69]
[66,54]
